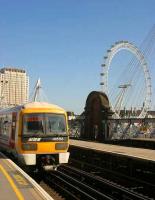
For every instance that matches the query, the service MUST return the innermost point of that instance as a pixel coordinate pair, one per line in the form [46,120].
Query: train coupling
[49,163]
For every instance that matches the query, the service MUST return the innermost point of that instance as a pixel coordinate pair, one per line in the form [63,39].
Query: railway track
[39,178]
[81,180]
[77,184]
[132,183]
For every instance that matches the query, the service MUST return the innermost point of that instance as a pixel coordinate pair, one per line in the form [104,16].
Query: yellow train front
[36,134]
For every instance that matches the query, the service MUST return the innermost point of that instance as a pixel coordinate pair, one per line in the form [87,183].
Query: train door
[13,129]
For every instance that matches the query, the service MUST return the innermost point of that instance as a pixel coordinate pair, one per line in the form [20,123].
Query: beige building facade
[14,87]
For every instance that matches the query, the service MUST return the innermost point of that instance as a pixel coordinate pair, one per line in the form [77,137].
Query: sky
[63,42]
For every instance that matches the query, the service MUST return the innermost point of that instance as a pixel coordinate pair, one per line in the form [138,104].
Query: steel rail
[82,190]
[104,184]
[130,182]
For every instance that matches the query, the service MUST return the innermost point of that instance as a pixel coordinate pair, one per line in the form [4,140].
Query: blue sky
[63,41]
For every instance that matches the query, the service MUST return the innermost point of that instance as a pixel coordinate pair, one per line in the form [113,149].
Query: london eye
[129,86]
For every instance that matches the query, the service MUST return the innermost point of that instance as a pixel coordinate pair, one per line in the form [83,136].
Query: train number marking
[58,139]
[34,139]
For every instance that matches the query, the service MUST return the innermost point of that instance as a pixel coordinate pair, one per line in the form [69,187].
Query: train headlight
[29,147]
[61,146]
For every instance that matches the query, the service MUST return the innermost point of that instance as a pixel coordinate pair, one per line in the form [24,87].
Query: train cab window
[55,123]
[33,124]
[43,124]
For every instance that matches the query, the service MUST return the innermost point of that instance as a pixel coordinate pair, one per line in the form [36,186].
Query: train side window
[5,128]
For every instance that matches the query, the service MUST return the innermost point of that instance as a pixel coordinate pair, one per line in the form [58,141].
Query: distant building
[70,115]
[133,113]
[14,87]
[151,113]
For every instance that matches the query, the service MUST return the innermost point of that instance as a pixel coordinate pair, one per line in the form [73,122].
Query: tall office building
[14,87]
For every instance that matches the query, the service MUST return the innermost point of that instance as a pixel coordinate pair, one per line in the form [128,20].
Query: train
[36,134]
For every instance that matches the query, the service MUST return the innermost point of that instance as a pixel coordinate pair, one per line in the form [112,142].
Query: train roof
[41,105]
[31,105]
